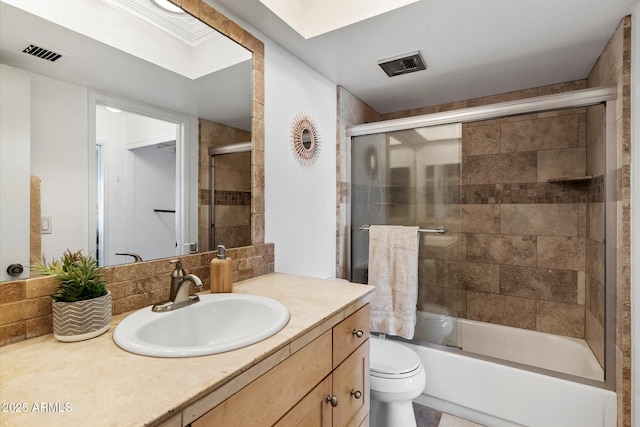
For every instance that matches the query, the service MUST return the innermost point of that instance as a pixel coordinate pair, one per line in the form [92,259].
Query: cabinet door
[351,385]
[269,397]
[313,410]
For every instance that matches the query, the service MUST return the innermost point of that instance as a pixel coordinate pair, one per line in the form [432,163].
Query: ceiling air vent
[42,53]
[403,64]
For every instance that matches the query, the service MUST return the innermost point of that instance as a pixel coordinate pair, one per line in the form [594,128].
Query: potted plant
[81,301]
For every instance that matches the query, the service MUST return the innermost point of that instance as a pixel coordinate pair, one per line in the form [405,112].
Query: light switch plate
[45,225]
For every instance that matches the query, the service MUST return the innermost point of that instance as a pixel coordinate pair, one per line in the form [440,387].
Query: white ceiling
[472,47]
[223,96]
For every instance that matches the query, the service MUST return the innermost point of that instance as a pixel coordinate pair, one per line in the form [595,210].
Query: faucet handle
[178,271]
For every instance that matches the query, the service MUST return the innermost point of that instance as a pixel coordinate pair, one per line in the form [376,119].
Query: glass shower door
[412,177]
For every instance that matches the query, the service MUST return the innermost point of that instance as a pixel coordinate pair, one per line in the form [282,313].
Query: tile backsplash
[25,305]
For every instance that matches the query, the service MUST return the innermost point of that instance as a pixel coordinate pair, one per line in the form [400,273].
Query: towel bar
[437,230]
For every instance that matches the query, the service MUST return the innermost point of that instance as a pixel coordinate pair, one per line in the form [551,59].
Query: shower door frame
[574,99]
[239,147]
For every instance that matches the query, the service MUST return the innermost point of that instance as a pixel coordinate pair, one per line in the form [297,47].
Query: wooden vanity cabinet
[349,378]
[299,391]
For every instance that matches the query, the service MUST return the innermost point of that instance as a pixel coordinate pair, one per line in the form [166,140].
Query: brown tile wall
[25,305]
[519,252]
[217,135]
[613,68]
[594,247]
[35,236]
[232,200]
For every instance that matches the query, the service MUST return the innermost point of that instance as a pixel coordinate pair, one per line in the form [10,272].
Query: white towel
[393,270]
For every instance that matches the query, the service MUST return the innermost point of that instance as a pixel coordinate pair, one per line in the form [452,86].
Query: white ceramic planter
[81,320]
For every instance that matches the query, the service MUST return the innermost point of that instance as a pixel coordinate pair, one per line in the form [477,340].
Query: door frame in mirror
[186,146]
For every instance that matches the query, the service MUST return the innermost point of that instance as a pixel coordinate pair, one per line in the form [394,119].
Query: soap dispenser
[221,271]
[177,275]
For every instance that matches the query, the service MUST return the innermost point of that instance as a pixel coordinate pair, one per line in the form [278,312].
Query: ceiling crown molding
[182,26]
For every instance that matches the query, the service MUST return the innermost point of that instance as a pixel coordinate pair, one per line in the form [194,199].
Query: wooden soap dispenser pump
[221,270]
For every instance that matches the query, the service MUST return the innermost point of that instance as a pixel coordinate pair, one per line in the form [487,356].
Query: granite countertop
[95,383]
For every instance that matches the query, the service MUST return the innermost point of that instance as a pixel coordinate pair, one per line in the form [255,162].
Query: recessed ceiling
[223,96]
[473,48]
[176,42]
[311,18]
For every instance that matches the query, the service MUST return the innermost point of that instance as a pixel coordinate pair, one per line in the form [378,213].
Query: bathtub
[497,395]
[562,354]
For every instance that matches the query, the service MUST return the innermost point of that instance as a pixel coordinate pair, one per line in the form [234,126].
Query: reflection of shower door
[230,217]
[412,177]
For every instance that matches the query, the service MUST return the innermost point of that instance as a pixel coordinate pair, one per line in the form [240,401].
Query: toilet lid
[388,357]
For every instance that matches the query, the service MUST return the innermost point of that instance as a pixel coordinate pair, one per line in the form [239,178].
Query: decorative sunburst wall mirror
[305,140]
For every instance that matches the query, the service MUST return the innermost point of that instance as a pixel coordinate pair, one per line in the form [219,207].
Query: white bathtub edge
[463,412]
[474,388]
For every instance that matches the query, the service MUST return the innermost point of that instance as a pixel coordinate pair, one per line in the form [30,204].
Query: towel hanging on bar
[437,230]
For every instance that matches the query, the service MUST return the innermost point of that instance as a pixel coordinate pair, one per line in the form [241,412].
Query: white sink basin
[218,323]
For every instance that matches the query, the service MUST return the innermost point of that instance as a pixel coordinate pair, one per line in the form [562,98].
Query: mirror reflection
[85,195]
[307,139]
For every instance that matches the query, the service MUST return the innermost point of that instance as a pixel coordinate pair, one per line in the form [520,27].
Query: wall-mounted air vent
[403,64]
[42,53]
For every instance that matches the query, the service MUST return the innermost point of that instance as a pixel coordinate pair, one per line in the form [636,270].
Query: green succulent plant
[79,276]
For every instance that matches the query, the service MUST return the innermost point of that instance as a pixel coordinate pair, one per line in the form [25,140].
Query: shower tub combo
[410,172]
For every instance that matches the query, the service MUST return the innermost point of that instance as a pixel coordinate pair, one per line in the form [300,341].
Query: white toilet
[434,324]
[397,377]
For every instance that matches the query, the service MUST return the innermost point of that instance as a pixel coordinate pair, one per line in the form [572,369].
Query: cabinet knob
[359,333]
[356,393]
[332,399]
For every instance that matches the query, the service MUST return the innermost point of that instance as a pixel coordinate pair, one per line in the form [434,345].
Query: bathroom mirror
[89,66]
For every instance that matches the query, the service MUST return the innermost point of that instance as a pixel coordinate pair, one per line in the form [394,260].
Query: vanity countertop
[95,383]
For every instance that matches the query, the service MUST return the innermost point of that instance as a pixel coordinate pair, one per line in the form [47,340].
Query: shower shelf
[571,179]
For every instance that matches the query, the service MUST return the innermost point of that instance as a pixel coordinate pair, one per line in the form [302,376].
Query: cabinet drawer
[345,334]
[351,386]
[269,397]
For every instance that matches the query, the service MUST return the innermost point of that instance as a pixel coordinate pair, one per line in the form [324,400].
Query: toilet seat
[392,360]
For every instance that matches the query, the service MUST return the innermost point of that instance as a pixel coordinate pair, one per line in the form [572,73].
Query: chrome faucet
[179,295]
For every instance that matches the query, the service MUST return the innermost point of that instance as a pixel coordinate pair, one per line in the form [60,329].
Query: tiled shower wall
[613,68]
[213,135]
[519,252]
[594,243]
[232,194]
